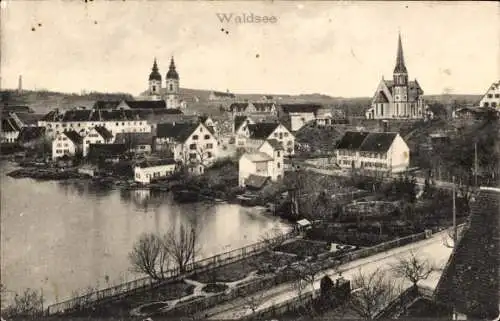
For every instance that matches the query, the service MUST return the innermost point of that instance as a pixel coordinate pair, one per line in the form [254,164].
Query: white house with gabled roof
[492,97]
[97,135]
[264,163]
[66,143]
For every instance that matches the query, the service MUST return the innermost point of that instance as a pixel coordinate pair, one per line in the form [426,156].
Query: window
[497,95]
[192,156]
[286,134]
[278,153]
[490,96]
[207,136]
[493,104]
[123,124]
[281,135]
[209,155]
[154,88]
[195,137]
[278,164]
[116,124]
[209,146]
[171,87]
[192,146]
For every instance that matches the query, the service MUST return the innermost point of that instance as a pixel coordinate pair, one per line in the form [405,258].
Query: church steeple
[400,60]
[155,75]
[172,73]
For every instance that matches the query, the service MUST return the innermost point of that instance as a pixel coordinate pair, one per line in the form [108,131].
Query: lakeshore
[65,236]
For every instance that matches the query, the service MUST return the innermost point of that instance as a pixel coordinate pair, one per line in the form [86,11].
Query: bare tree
[273,238]
[149,256]
[372,292]
[413,268]
[182,245]
[306,273]
[27,304]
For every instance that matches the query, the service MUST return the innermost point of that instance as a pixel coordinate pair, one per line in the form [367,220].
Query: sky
[335,48]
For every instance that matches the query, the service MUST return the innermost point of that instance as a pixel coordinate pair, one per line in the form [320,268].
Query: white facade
[94,137]
[281,134]
[298,120]
[62,145]
[492,97]
[396,159]
[144,175]
[266,162]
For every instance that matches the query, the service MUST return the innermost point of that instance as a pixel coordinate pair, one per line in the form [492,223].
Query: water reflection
[66,236]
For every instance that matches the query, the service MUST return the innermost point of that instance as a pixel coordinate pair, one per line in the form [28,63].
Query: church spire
[172,73]
[155,75]
[400,60]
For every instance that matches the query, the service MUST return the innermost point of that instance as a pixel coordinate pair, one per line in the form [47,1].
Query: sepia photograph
[249,160]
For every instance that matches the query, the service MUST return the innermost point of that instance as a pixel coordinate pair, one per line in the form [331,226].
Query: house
[30,137]
[242,108]
[255,168]
[470,281]
[10,130]
[82,121]
[375,153]
[26,119]
[492,97]
[68,143]
[106,152]
[219,95]
[265,107]
[299,114]
[398,98]
[97,135]
[476,113]
[328,117]
[192,144]
[255,134]
[148,171]
[138,143]
[106,104]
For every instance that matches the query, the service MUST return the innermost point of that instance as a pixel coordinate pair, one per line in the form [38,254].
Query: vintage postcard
[249,160]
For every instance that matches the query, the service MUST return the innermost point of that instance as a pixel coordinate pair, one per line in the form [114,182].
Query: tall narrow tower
[400,77]
[154,81]
[20,84]
[172,89]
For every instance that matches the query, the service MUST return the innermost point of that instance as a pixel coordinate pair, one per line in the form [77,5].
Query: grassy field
[241,269]
[303,248]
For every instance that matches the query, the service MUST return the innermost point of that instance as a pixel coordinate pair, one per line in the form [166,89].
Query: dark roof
[117,115]
[16,109]
[352,140]
[74,136]
[146,104]
[77,115]
[9,125]
[172,73]
[51,116]
[106,134]
[262,130]
[277,145]
[159,162]
[381,98]
[106,104]
[400,60]
[134,139]
[155,74]
[256,181]
[28,118]
[470,280]
[178,131]
[300,108]
[377,142]
[263,106]
[223,94]
[106,150]
[238,107]
[31,133]
[238,121]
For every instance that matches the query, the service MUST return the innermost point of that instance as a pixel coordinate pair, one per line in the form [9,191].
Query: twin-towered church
[169,93]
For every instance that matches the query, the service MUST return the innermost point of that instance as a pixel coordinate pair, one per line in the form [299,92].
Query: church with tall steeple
[169,93]
[398,98]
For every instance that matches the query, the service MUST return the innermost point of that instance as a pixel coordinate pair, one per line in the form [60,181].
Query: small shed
[303,224]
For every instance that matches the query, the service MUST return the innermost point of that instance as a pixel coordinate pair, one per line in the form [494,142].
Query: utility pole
[475,164]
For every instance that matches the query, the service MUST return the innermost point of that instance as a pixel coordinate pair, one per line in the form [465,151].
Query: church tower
[172,90]
[400,78]
[155,81]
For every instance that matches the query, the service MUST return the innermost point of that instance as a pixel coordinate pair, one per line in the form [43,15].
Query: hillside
[198,100]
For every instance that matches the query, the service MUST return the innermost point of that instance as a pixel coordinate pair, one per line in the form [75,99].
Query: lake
[62,237]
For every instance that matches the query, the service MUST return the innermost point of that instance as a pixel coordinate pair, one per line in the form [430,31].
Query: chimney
[20,84]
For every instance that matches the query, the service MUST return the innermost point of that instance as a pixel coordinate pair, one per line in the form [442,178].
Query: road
[431,249]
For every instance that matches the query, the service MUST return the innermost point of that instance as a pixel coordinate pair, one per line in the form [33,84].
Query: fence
[143,283]
[329,260]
